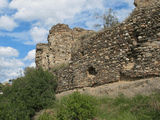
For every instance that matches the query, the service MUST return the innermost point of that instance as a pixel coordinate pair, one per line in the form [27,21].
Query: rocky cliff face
[128,51]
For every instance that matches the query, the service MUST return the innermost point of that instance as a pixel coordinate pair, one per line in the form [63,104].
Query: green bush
[46,116]
[10,111]
[77,107]
[27,95]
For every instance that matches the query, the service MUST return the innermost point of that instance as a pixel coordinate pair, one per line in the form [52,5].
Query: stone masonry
[144,3]
[61,40]
[128,51]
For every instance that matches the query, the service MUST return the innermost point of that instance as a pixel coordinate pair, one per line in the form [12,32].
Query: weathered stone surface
[128,51]
[42,52]
[144,3]
[61,40]
[128,88]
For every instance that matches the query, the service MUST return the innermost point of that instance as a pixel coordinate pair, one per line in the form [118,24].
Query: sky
[24,23]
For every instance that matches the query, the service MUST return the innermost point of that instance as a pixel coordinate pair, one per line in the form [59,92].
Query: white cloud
[33,64]
[8,52]
[51,11]
[8,74]
[3,4]
[31,55]
[45,13]
[38,34]
[10,66]
[30,58]
[10,63]
[7,23]
[31,37]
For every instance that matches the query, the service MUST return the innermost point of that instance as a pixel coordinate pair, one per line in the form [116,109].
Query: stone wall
[144,3]
[42,53]
[130,50]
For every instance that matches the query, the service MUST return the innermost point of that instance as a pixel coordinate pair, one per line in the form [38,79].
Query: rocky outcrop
[128,51]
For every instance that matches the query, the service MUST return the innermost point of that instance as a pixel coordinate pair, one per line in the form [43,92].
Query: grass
[124,108]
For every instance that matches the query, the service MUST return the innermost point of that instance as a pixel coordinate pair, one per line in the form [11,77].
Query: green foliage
[11,111]
[77,107]
[1,87]
[136,108]
[74,107]
[46,116]
[28,94]
[35,91]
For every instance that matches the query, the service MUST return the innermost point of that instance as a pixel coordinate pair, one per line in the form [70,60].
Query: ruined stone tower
[61,40]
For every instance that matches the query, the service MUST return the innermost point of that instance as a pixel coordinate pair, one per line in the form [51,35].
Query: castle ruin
[128,51]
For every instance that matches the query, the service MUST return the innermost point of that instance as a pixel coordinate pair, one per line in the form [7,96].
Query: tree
[109,19]
[27,95]
[1,86]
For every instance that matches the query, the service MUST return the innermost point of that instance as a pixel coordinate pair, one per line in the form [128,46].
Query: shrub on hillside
[77,107]
[28,94]
[46,116]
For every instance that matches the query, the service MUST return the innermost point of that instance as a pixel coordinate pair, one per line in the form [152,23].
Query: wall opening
[132,53]
[72,80]
[92,70]
[82,53]
[135,35]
